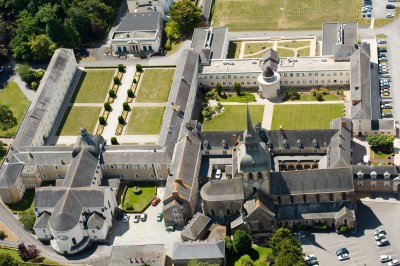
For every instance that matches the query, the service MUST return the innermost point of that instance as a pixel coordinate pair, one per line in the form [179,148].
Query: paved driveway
[361,244]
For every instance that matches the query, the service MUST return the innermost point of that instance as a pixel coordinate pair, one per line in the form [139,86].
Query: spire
[249,134]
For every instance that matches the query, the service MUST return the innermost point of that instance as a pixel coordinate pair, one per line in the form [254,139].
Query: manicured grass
[174,47]
[26,203]
[381,154]
[261,15]
[379,22]
[303,52]
[76,117]
[142,201]
[282,52]
[93,86]
[15,255]
[244,97]
[294,44]
[381,36]
[311,98]
[14,98]
[256,47]
[234,118]
[234,50]
[305,116]
[155,85]
[145,121]
[258,255]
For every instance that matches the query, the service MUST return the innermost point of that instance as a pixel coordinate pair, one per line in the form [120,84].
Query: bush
[28,253]
[102,120]
[34,85]
[168,45]
[324,91]
[319,96]
[39,74]
[134,81]
[218,87]
[107,105]
[3,235]
[320,227]
[130,93]
[27,218]
[116,80]
[245,260]
[139,68]
[343,229]
[111,93]
[26,73]
[229,246]
[126,107]
[121,120]
[293,94]
[242,242]
[128,206]
[121,68]
[114,141]
[238,88]
[313,92]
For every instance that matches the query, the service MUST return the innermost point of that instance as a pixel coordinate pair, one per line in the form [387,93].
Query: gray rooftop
[96,221]
[311,181]
[349,33]
[140,21]
[223,190]
[9,173]
[206,10]
[81,170]
[329,37]
[340,149]
[42,221]
[198,250]
[382,124]
[151,254]
[196,226]
[213,38]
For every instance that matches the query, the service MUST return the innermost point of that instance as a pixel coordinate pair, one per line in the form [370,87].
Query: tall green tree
[26,73]
[199,263]
[42,48]
[242,242]
[185,16]
[7,119]
[8,260]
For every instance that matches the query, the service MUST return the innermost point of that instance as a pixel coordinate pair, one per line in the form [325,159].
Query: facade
[139,34]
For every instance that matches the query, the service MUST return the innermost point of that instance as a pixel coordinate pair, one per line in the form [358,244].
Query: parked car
[344,256]
[382,41]
[380,236]
[309,257]
[159,216]
[136,218]
[389,15]
[382,242]
[386,105]
[125,219]
[155,201]
[390,6]
[143,217]
[313,262]
[218,174]
[385,258]
[386,115]
[378,231]
[342,251]
[382,49]
[394,262]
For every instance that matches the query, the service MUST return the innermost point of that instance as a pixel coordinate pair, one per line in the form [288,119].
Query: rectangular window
[248,82]
[216,77]
[316,74]
[286,82]
[334,73]
[230,83]
[292,82]
[341,73]
[316,81]
[322,74]
[229,76]
[309,74]
[212,83]
[211,76]
[242,82]
[298,82]
[235,76]
[304,74]
[254,82]
[297,74]
[304,81]
[310,81]
[285,74]
[291,74]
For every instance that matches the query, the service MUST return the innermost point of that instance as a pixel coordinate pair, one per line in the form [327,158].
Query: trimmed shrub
[40,74]
[218,87]
[102,120]
[107,105]
[139,68]
[111,93]
[343,229]
[121,68]
[3,235]
[116,80]
[134,81]
[319,96]
[130,93]
[321,227]
[121,120]
[128,206]
[34,85]
[114,141]
[126,107]
[168,45]
[238,88]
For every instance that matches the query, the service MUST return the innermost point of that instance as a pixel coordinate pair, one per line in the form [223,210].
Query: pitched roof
[9,173]
[198,250]
[259,202]
[95,221]
[311,181]
[345,212]
[151,254]
[340,149]
[67,213]
[214,39]
[196,226]
[380,171]
[42,221]
[223,190]
[140,21]
[48,197]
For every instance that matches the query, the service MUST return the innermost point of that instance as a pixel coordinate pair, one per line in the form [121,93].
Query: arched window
[250,176]
[279,200]
[260,176]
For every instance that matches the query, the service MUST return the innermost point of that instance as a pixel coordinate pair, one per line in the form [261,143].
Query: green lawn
[244,97]
[311,98]
[142,201]
[256,47]
[234,50]
[304,52]
[305,116]
[261,15]
[381,154]
[258,255]
[152,117]
[155,85]
[234,118]
[93,86]
[15,255]
[76,117]
[13,97]
[26,203]
[282,52]
[294,44]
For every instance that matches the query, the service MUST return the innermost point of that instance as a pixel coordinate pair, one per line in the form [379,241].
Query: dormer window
[315,143]
[299,143]
[360,175]
[386,175]
[285,143]
[373,175]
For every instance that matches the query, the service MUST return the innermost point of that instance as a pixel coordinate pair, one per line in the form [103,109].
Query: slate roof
[329,37]
[140,21]
[320,210]
[206,11]
[48,197]
[259,201]
[343,52]
[198,250]
[349,33]
[311,181]
[196,226]
[214,139]
[42,221]
[223,190]
[67,213]
[382,124]
[135,157]
[214,39]
[9,173]
[345,211]
[151,254]
[380,171]
[340,149]
[95,221]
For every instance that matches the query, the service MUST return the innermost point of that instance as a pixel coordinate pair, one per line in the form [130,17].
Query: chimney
[234,139]
[344,124]
[340,145]
[179,181]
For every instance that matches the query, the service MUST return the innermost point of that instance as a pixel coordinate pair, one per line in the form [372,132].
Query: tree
[172,31]
[117,81]
[238,88]
[130,93]
[218,87]
[34,85]
[26,73]
[2,150]
[121,68]
[245,260]
[139,68]
[3,234]
[102,120]
[285,248]
[313,92]
[185,16]
[28,253]
[8,260]
[319,96]
[242,242]
[125,106]
[114,141]
[111,93]
[107,105]
[27,218]
[7,119]
[277,238]
[229,245]
[380,141]
[42,48]
[121,120]
[324,91]
[293,94]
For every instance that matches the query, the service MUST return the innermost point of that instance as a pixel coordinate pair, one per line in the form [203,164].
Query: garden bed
[138,203]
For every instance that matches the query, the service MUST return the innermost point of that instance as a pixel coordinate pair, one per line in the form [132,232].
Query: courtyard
[261,15]
[76,117]
[155,85]
[305,116]
[145,120]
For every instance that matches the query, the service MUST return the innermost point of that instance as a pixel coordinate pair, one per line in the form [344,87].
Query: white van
[218,174]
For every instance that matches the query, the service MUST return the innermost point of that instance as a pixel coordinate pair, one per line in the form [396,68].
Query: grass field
[155,85]
[311,98]
[305,116]
[258,255]
[282,52]
[261,15]
[256,47]
[294,44]
[93,86]
[152,117]
[234,118]
[13,97]
[234,50]
[76,117]
[142,201]
[303,52]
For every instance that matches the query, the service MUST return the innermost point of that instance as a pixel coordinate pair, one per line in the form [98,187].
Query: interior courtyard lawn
[234,118]
[305,116]
[261,15]
[14,98]
[76,117]
[93,86]
[283,52]
[145,121]
[234,50]
[155,85]
[140,201]
[256,47]
[258,255]
[294,44]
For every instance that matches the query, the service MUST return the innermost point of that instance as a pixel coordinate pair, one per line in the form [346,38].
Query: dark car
[342,251]
[382,49]
[389,6]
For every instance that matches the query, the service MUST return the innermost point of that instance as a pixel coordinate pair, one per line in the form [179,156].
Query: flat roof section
[329,37]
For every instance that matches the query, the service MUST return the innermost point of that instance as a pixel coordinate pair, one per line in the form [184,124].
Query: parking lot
[376,9]
[361,244]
